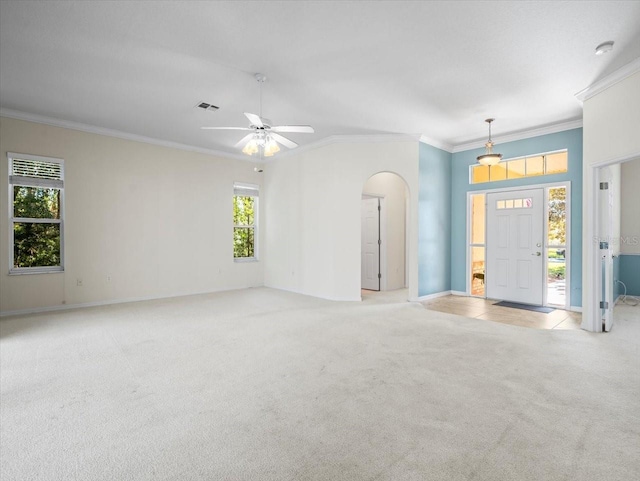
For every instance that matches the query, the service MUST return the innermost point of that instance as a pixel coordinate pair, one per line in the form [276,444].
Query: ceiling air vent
[206,106]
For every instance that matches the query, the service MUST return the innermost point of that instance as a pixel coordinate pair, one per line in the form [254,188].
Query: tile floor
[484,309]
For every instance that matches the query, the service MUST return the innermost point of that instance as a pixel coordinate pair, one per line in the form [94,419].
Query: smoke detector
[604,47]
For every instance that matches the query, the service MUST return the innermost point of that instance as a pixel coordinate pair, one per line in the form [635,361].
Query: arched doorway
[384,233]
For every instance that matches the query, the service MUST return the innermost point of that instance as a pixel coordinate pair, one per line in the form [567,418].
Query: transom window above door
[532,166]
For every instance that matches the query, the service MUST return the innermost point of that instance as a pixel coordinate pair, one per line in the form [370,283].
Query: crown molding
[611,79]
[351,139]
[330,140]
[525,134]
[92,129]
[436,143]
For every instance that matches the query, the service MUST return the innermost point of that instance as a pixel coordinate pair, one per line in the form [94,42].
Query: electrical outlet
[79,282]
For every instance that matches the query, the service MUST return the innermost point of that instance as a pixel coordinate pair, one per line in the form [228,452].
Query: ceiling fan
[264,137]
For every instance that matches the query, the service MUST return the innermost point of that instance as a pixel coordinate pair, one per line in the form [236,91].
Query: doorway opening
[518,244]
[384,239]
[618,238]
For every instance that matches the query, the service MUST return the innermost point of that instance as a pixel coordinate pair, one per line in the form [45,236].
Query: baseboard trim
[459,293]
[66,307]
[575,308]
[430,296]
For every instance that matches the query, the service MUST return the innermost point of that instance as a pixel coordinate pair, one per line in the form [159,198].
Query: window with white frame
[531,166]
[36,213]
[245,215]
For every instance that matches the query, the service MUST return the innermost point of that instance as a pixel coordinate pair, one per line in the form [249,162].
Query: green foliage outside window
[36,244]
[244,226]
[36,202]
[557,233]
[557,216]
[556,272]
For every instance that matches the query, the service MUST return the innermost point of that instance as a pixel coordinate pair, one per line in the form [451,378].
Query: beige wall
[141,221]
[394,190]
[313,203]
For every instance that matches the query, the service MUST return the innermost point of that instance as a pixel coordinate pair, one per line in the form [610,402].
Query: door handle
[537,254]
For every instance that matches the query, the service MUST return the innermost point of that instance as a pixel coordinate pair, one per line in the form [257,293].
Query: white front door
[515,252]
[370,244]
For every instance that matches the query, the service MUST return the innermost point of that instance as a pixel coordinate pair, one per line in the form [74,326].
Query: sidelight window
[245,214]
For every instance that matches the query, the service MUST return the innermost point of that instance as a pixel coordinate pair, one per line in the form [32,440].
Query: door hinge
[604,305]
[379,276]
[604,185]
[604,245]
[379,208]
[379,242]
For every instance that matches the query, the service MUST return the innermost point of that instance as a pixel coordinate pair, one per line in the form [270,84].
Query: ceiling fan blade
[244,140]
[283,140]
[225,128]
[303,129]
[254,119]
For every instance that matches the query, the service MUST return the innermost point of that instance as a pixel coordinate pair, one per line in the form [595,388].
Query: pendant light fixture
[489,157]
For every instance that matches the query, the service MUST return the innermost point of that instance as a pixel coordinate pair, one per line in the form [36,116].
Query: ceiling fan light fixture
[270,147]
[265,137]
[251,147]
[489,157]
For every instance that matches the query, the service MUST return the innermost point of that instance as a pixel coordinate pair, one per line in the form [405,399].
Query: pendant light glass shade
[251,147]
[270,147]
[260,143]
[489,157]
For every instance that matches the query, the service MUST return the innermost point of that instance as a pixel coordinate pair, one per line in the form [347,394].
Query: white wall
[155,221]
[611,122]
[609,229]
[630,207]
[394,190]
[313,215]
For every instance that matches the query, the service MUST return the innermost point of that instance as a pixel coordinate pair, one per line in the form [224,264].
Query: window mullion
[29,220]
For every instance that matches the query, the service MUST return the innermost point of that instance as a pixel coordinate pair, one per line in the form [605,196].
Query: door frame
[591,265]
[568,253]
[383,239]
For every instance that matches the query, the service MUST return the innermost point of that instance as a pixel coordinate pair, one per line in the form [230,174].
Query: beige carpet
[265,385]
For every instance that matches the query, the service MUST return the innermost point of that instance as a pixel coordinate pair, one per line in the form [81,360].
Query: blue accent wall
[570,140]
[617,287]
[629,273]
[434,221]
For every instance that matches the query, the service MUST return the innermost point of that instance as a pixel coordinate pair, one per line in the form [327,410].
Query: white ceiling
[367,67]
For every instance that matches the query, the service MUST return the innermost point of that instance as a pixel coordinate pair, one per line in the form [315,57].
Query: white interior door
[370,244]
[605,209]
[515,252]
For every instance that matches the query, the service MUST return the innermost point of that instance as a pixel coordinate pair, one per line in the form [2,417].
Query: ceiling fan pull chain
[260,99]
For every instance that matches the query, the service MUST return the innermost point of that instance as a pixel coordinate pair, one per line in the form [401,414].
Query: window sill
[20,272]
[242,260]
